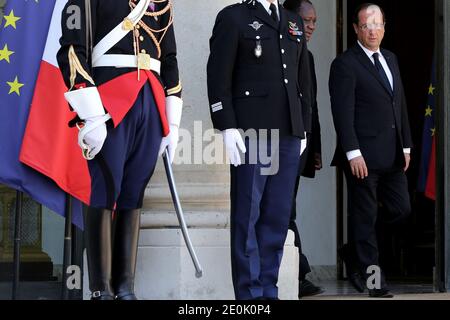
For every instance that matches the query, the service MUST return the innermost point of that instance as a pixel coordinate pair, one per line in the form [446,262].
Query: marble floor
[334,290]
[342,290]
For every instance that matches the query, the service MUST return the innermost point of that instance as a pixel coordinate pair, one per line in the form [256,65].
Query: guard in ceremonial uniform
[121,69]
[259,78]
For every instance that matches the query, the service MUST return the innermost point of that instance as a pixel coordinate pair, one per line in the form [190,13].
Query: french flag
[49,145]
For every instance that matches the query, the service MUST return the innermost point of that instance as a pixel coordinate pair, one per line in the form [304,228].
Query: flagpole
[17,240]
[67,247]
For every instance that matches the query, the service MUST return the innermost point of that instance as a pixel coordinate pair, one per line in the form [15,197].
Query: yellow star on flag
[433,132]
[428,111]
[15,86]
[431,90]
[5,53]
[11,20]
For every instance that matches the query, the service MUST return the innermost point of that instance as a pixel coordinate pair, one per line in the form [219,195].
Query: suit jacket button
[393,126]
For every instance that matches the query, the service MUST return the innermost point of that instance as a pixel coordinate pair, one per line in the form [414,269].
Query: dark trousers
[260,212]
[388,187]
[304,267]
[123,168]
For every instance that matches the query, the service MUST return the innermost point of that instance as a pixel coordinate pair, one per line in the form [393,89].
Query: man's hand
[170,142]
[234,144]
[407,161]
[318,161]
[92,135]
[359,168]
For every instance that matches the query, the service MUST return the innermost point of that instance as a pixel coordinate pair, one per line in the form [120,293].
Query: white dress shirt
[357,153]
[266,4]
[383,62]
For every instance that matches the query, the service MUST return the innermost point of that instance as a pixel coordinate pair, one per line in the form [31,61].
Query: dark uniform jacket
[106,15]
[315,138]
[366,115]
[272,91]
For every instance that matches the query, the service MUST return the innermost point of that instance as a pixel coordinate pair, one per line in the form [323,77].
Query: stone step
[193,196]
[209,219]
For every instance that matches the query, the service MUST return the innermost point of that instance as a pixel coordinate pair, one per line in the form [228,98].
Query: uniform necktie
[381,72]
[273,12]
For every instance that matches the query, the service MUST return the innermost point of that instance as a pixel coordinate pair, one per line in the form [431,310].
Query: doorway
[407,254]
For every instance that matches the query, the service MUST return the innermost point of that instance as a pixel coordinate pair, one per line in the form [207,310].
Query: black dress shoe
[380,293]
[259,299]
[307,289]
[357,282]
[353,275]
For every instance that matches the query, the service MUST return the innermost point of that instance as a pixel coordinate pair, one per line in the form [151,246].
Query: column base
[165,270]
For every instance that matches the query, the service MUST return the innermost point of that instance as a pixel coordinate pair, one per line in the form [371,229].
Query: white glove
[234,144]
[303,145]
[170,142]
[88,105]
[92,136]
[174,110]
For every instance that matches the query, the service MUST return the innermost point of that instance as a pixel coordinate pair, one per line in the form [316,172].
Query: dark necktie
[273,12]
[381,72]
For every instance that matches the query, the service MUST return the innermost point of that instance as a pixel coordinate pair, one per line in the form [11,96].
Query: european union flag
[428,133]
[23,34]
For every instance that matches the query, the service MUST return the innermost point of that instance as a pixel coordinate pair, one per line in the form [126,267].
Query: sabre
[180,214]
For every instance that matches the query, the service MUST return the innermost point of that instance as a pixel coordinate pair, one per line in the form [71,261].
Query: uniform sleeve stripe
[76,67]
[217,107]
[174,90]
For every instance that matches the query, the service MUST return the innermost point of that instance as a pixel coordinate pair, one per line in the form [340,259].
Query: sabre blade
[180,214]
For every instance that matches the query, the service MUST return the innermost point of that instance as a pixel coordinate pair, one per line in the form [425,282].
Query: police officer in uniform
[259,78]
[122,74]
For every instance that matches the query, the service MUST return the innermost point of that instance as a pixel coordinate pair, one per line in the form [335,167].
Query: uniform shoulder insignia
[234,5]
[249,2]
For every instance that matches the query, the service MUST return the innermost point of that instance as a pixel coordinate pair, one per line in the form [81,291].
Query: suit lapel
[283,22]
[367,63]
[396,76]
[392,67]
[263,15]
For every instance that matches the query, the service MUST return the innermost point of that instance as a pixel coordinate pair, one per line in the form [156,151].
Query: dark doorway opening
[407,254]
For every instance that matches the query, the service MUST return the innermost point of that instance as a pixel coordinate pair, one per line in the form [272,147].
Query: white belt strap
[124,61]
[119,32]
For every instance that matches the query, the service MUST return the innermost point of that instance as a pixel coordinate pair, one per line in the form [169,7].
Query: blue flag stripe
[17,82]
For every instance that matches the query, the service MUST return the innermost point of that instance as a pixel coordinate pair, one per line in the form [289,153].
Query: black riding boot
[126,236]
[99,257]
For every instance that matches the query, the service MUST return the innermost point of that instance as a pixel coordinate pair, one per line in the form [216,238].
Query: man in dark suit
[374,142]
[311,160]
[259,79]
